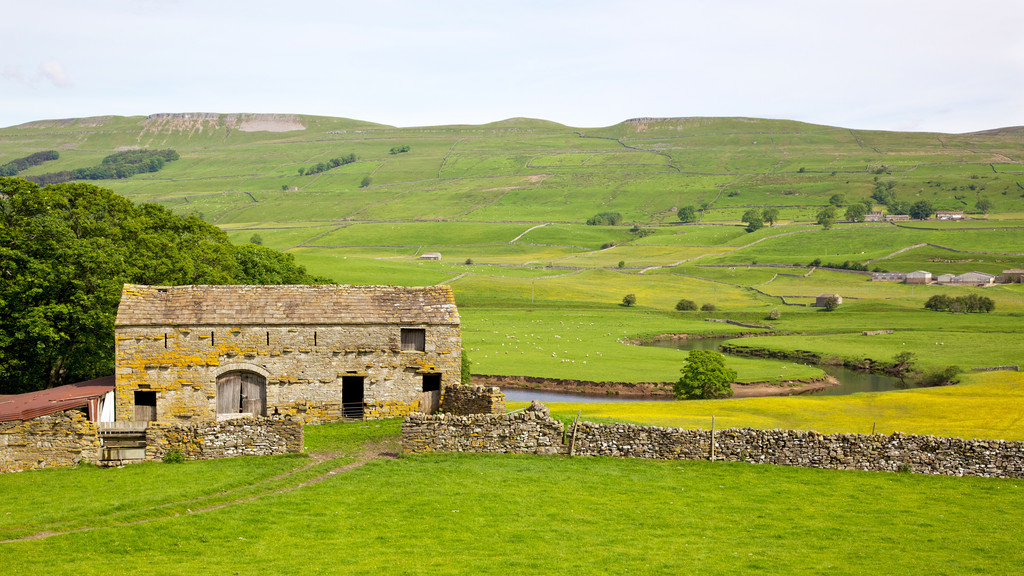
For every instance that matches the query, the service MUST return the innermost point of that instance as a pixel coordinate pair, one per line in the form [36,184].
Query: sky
[905,65]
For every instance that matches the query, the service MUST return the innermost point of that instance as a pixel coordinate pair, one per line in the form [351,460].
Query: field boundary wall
[535,432]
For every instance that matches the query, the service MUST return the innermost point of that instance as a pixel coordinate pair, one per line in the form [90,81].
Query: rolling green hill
[505,203]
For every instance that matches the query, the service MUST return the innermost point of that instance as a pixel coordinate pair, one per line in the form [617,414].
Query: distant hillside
[238,168]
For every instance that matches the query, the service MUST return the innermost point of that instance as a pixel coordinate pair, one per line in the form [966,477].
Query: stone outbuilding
[822,299]
[1012,276]
[317,353]
[919,277]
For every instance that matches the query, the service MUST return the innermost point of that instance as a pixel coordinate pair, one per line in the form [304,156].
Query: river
[850,381]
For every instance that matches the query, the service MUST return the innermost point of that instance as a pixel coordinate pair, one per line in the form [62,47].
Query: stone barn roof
[285,305]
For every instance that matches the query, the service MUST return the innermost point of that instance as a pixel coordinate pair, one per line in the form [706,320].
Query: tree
[629,300]
[902,365]
[687,214]
[984,205]
[827,217]
[685,305]
[256,239]
[770,215]
[837,200]
[921,210]
[831,303]
[856,212]
[704,375]
[65,252]
[753,220]
[366,182]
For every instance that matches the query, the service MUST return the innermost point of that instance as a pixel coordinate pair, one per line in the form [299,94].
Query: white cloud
[54,72]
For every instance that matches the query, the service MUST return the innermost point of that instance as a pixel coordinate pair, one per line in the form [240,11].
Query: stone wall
[60,439]
[235,437]
[528,432]
[535,432]
[463,400]
[303,367]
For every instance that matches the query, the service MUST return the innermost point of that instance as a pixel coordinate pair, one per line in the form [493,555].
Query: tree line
[19,164]
[113,167]
[325,166]
[66,250]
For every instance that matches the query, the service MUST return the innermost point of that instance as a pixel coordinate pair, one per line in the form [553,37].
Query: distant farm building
[888,276]
[316,353]
[949,215]
[874,216]
[973,279]
[430,256]
[897,218]
[822,300]
[919,277]
[1012,276]
[945,278]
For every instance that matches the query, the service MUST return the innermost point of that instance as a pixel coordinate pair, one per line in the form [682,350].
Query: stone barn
[317,353]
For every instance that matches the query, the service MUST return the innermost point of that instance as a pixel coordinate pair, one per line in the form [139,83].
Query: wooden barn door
[229,393]
[242,392]
[145,406]
[254,394]
[430,398]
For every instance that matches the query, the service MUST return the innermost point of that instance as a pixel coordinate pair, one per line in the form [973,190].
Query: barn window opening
[242,393]
[268,338]
[211,339]
[145,405]
[165,340]
[314,337]
[414,339]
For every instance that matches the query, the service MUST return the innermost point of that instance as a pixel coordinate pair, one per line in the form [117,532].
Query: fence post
[572,439]
[712,438]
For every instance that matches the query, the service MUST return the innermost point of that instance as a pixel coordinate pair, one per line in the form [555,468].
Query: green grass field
[488,514]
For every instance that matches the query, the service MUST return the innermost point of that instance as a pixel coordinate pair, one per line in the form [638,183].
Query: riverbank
[648,389]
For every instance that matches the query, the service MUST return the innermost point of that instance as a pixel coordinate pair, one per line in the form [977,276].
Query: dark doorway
[352,396]
[242,393]
[145,406]
[430,400]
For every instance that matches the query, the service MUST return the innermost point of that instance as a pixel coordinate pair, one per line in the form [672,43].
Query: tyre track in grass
[388,449]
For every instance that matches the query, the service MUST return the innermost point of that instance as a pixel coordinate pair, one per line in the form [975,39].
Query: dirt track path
[371,452]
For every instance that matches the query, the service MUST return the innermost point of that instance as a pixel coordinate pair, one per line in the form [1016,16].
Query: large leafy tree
[705,376]
[65,252]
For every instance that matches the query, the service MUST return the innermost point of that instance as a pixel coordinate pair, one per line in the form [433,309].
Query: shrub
[173,457]
[629,300]
[685,305]
[469,261]
[605,219]
[774,314]
[607,245]
[622,263]
[708,308]
[944,377]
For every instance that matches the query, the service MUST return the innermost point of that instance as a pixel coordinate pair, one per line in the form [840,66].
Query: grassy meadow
[487,514]
[540,293]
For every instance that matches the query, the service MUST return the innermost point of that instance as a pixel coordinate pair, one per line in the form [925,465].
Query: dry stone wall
[60,439]
[536,432]
[528,432]
[235,437]
[463,400]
